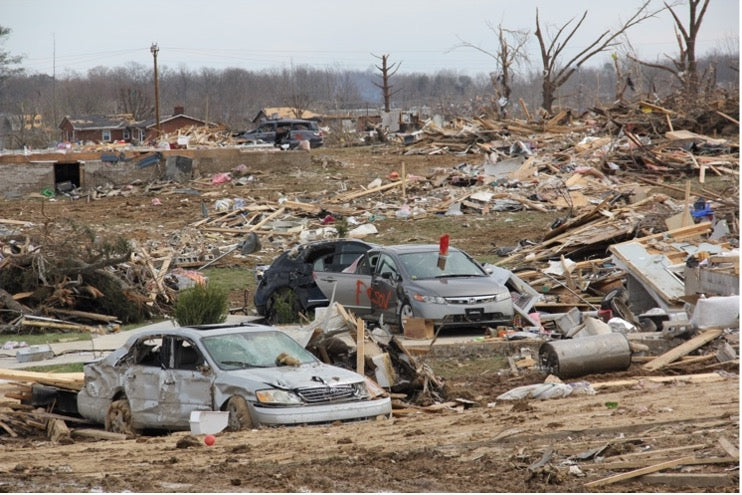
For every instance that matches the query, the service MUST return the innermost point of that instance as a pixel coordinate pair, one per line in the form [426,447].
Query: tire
[283,307]
[239,414]
[118,418]
[405,311]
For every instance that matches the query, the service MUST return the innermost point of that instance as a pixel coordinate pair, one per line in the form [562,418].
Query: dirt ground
[493,446]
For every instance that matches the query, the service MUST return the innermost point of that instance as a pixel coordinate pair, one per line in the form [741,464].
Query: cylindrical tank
[583,356]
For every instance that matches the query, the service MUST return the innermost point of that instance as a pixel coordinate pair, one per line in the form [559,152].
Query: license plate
[475,314]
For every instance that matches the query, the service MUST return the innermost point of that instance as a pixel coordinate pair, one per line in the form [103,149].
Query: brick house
[99,128]
[171,123]
[122,127]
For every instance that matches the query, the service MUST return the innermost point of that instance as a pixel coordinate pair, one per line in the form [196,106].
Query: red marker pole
[443,251]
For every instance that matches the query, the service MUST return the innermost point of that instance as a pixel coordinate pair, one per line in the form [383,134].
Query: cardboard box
[418,328]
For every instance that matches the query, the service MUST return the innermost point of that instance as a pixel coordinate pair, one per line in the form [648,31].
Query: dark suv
[287,132]
[288,288]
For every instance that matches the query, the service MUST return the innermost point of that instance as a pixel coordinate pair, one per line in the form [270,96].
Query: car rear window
[304,126]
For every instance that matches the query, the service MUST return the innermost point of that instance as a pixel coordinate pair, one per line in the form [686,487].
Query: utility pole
[154,49]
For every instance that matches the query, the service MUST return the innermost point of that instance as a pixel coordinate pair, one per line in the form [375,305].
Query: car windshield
[255,350]
[426,265]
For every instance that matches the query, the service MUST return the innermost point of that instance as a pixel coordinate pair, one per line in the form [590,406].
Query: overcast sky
[77,35]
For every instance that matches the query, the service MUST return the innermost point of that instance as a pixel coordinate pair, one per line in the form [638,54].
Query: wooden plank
[360,341]
[639,472]
[267,219]
[612,466]
[728,447]
[15,222]
[683,349]
[355,195]
[654,453]
[66,380]
[85,314]
[97,434]
[696,378]
[707,480]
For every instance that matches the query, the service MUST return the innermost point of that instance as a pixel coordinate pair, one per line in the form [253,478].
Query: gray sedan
[257,373]
[392,283]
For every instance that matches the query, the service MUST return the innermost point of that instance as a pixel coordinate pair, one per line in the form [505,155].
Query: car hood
[293,377]
[460,286]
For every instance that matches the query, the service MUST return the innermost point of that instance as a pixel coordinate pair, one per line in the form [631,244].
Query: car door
[266,132]
[384,288]
[185,385]
[350,288]
[142,380]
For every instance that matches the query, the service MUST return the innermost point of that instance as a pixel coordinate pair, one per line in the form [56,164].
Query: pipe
[585,355]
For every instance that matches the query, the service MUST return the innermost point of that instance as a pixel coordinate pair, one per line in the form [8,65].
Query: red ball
[209,439]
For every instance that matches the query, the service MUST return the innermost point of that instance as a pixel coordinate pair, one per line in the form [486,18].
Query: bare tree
[555,73]
[135,102]
[6,59]
[387,71]
[685,67]
[510,52]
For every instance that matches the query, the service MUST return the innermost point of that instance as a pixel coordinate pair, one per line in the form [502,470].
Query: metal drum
[583,356]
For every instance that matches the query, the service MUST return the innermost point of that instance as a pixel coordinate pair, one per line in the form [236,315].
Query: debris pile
[339,338]
[106,284]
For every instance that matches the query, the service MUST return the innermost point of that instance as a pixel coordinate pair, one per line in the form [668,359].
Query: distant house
[123,127]
[171,123]
[271,113]
[100,128]
[15,128]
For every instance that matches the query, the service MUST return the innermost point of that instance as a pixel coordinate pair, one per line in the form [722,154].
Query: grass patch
[235,281]
[46,338]
[457,369]
[58,368]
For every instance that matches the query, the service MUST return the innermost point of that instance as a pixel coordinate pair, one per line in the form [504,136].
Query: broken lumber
[728,447]
[697,378]
[97,434]
[689,479]
[683,349]
[639,472]
[73,381]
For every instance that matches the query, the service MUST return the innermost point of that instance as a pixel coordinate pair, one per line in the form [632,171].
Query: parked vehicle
[260,375]
[287,132]
[287,287]
[391,283]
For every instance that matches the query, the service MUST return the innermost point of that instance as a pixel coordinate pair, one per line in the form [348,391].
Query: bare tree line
[234,96]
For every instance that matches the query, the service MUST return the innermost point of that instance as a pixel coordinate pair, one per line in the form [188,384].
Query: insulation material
[716,312]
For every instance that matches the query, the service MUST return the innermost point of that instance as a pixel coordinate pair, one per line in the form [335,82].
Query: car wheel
[283,307]
[405,311]
[118,418]
[239,414]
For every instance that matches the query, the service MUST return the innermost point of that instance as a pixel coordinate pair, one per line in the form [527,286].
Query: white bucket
[208,422]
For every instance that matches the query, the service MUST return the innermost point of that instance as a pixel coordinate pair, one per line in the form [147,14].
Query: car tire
[405,311]
[283,307]
[239,414]
[118,418]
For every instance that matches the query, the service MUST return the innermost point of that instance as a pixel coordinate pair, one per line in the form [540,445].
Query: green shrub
[201,305]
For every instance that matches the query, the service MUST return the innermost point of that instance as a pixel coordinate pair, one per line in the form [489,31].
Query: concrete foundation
[34,173]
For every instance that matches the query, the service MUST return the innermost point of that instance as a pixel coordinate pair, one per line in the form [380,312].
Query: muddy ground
[492,446]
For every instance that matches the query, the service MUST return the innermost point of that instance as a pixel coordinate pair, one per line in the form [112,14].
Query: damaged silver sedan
[260,375]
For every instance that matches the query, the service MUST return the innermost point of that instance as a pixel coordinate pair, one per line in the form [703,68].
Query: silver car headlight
[429,299]
[361,390]
[277,397]
[502,296]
